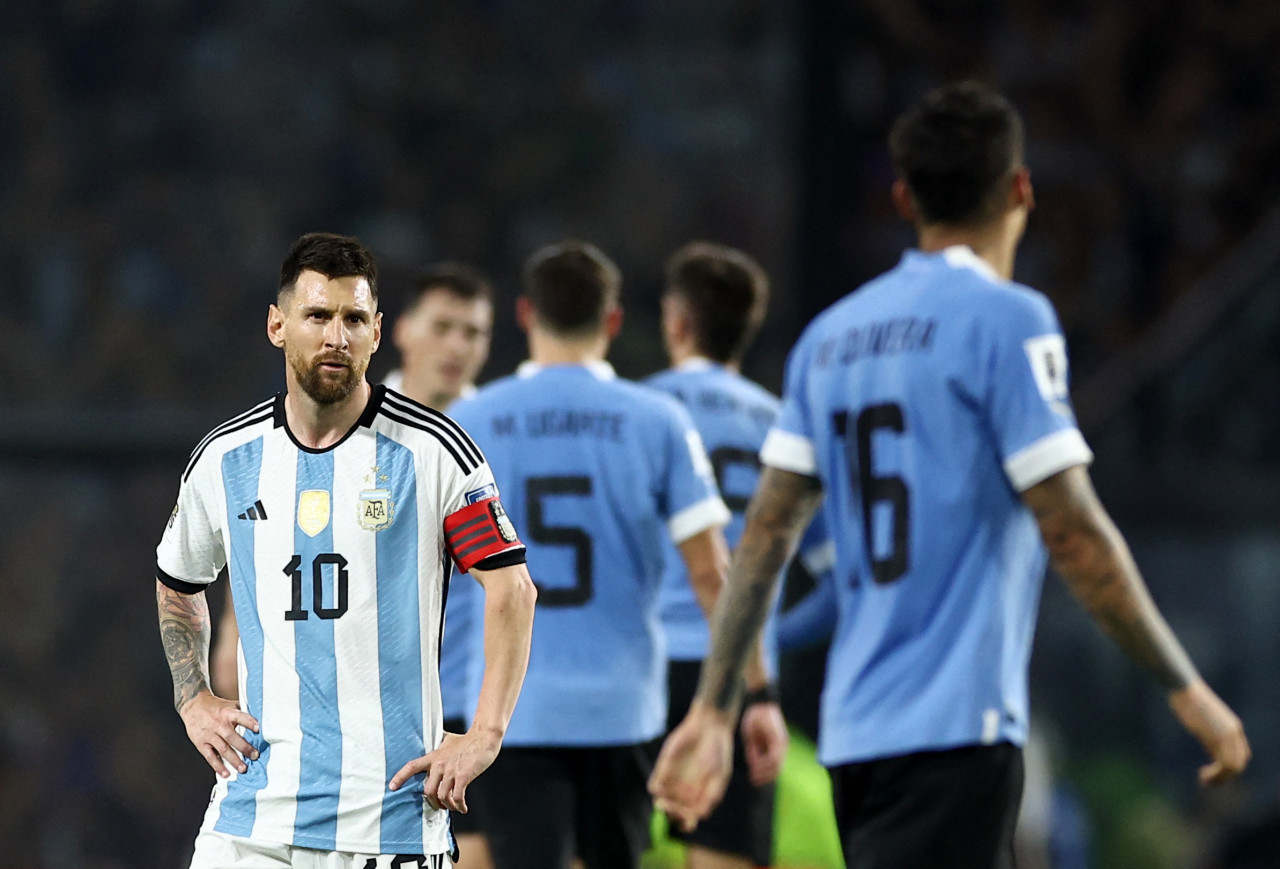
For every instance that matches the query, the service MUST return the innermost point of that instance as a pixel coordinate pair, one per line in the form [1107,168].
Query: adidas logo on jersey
[257,511]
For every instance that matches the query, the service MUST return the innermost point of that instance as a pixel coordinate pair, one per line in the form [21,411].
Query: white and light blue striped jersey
[926,402]
[338,571]
[598,473]
[733,415]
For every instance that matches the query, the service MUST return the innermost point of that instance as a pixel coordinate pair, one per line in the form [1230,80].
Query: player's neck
[547,349]
[680,353]
[421,390]
[995,242]
[318,426]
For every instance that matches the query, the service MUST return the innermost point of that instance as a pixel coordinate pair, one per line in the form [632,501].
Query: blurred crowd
[157,156]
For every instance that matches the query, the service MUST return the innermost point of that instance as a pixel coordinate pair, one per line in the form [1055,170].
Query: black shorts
[544,806]
[952,809]
[471,822]
[743,822]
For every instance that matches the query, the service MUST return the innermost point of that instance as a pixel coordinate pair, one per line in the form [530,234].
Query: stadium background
[157,157]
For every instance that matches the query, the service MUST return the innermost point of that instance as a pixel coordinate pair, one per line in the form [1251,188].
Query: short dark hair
[457,278]
[726,291]
[332,255]
[572,285]
[953,148]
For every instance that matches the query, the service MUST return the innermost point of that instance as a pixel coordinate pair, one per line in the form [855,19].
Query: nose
[335,334]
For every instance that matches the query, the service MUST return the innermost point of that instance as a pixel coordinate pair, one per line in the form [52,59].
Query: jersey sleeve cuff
[181,586]
[696,518]
[819,559]
[1042,459]
[787,451]
[508,558]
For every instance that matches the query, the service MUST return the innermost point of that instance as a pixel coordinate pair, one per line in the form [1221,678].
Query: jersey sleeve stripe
[696,518]
[439,420]
[235,419]
[789,452]
[179,585]
[268,414]
[467,467]
[1042,459]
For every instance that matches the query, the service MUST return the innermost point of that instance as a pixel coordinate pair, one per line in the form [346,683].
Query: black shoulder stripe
[444,422]
[235,419]
[467,467]
[263,417]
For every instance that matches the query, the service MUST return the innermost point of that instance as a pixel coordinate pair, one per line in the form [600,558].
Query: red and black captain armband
[481,532]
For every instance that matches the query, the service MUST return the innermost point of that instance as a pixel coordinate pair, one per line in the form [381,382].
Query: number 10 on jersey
[890,490]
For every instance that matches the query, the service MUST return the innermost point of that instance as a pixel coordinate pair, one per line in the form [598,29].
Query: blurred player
[932,408]
[333,506]
[601,471]
[713,306]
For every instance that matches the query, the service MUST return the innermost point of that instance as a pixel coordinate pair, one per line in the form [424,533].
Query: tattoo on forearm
[1091,555]
[781,508]
[184,631]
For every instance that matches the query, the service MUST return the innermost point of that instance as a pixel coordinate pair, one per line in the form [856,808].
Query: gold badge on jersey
[376,509]
[313,511]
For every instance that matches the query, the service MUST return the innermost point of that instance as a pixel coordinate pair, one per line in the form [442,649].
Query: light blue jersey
[925,402]
[733,415]
[597,473]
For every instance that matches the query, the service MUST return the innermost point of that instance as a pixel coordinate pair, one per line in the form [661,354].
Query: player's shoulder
[233,432]
[645,398]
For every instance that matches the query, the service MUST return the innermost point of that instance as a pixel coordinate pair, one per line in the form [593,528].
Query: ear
[377,332]
[275,326]
[902,201]
[524,313]
[613,322]
[1021,194]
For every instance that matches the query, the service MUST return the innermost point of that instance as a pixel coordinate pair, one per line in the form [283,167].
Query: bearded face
[328,329]
[329,377]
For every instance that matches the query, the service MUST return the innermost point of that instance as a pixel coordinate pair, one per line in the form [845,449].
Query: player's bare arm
[696,759]
[1090,554]
[508,628]
[764,731]
[779,512]
[210,721]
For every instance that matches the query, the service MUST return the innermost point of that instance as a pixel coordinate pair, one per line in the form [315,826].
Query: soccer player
[334,506]
[600,472]
[931,407]
[443,339]
[712,308]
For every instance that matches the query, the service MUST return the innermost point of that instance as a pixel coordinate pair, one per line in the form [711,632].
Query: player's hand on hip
[450,768]
[694,765]
[765,738]
[211,726]
[1219,730]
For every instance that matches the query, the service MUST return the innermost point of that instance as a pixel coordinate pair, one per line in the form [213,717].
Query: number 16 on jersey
[890,490]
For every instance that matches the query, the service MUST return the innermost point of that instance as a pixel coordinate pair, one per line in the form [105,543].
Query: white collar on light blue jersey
[961,256]
[697,363]
[600,369]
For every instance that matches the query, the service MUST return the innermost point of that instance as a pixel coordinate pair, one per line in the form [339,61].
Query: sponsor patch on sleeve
[1048,357]
[486,491]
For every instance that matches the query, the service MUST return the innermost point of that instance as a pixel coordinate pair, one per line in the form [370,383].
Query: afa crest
[377,511]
